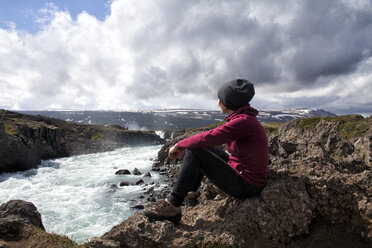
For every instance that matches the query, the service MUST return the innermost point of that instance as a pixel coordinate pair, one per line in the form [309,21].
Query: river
[81,196]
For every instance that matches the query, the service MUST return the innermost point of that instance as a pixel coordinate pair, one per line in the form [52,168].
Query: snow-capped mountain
[290,114]
[163,119]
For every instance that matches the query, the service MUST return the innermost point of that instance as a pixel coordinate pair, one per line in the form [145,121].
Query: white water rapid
[75,195]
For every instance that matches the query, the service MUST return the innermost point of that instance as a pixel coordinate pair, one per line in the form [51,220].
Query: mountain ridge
[165,119]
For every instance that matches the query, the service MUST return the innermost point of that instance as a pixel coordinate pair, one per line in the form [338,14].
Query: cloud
[329,39]
[157,54]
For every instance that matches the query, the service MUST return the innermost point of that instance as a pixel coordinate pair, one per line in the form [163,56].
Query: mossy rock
[353,129]
[35,237]
[271,128]
[349,126]
[10,129]
[97,136]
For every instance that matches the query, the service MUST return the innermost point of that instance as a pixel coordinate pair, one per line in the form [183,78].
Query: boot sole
[154,217]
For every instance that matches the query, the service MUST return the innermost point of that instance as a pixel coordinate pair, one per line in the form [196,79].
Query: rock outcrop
[219,219]
[333,156]
[26,139]
[21,226]
[318,194]
[14,216]
[24,144]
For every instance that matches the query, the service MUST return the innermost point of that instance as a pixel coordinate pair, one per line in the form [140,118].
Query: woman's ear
[223,108]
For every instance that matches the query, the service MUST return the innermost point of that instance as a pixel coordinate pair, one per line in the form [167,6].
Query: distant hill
[290,114]
[171,118]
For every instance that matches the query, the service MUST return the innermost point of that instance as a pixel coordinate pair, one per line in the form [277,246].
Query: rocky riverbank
[318,195]
[26,139]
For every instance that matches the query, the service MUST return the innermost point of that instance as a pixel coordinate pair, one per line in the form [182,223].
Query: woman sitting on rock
[241,174]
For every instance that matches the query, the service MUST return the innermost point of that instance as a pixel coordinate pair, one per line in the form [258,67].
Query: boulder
[123,172]
[140,181]
[16,214]
[284,210]
[102,243]
[139,206]
[122,184]
[136,172]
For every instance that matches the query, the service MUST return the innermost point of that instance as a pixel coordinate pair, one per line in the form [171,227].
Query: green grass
[211,126]
[352,129]
[97,136]
[10,129]
[40,238]
[349,126]
[63,241]
[12,125]
[271,128]
[308,122]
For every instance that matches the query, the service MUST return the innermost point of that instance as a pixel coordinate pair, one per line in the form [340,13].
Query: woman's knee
[196,151]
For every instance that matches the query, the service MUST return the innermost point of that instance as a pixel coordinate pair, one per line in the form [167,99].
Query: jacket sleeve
[232,130]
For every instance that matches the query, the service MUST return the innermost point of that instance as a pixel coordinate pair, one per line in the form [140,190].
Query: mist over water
[75,195]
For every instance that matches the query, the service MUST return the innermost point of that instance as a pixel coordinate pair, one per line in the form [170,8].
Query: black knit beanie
[236,93]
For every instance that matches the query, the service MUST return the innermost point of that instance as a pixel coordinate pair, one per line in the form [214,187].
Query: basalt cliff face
[318,195]
[26,139]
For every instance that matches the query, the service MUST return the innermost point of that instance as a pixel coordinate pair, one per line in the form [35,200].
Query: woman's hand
[174,152]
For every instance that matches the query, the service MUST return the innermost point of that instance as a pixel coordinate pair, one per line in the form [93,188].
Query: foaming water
[75,195]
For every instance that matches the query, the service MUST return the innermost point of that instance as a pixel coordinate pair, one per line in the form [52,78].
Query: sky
[137,54]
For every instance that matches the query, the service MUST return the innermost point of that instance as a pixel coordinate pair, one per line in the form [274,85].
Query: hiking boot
[191,199]
[164,210]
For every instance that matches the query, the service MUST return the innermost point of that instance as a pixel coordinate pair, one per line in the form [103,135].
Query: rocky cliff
[318,195]
[26,139]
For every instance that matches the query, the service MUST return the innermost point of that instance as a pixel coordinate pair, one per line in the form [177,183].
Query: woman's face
[222,107]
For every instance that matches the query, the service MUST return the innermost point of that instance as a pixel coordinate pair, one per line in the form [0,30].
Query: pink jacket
[245,140]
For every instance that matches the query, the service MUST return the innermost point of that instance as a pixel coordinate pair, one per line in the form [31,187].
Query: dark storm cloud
[310,102]
[363,109]
[257,61]
[330,38]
